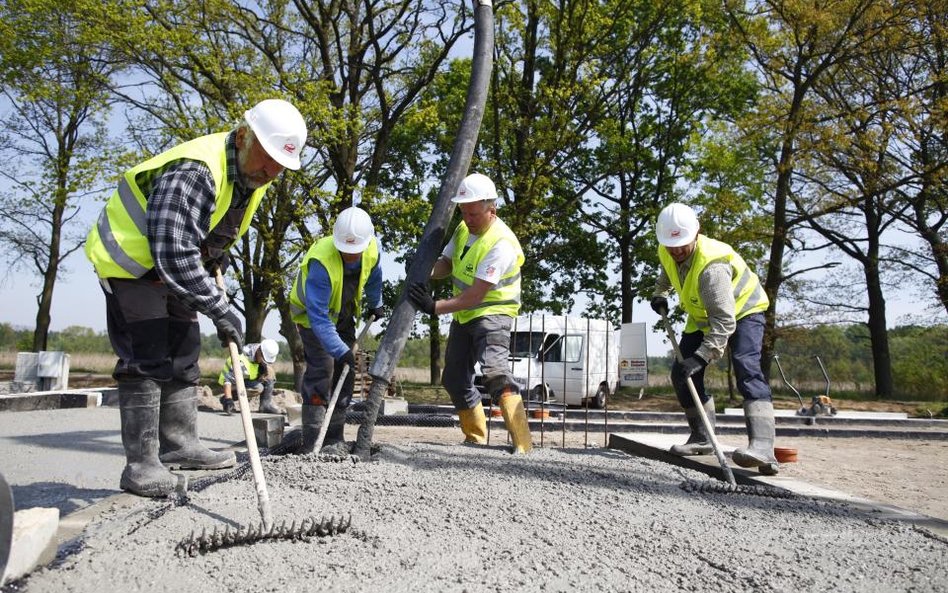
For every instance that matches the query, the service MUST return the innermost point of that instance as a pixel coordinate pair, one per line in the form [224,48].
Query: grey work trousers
[484,340]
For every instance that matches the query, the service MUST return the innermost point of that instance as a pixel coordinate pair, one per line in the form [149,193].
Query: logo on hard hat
[351,240]
[289,147]
[675,233]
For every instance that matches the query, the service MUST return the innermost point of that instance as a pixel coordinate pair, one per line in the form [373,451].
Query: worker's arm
[467,299]
[373,287]
[318,292]
[442,268]
[714,285]
[180,205]
[663,286]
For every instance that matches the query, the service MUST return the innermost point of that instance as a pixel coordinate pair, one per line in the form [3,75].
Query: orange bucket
[785,454]
[496,412]
[539,413]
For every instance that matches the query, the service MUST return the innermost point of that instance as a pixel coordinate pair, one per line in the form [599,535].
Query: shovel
[263,498]
[338,390]
[704,417]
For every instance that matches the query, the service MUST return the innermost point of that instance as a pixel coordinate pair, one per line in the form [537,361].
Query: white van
[557,358]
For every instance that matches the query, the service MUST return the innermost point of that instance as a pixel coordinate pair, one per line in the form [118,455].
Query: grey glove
[418,294]
[659,305]
[690,366]
[229,329]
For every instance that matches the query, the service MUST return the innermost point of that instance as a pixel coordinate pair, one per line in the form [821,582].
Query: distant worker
[172,218]
[483,259]
[257,373]
[725,302]
[325,302]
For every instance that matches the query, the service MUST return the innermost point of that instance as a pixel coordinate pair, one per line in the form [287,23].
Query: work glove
[659,305]
[215,259]
[690,366]
[376,314]
[229,329]
[419,296]
[349,359]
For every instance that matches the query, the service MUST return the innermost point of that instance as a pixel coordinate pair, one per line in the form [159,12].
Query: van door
[563,367]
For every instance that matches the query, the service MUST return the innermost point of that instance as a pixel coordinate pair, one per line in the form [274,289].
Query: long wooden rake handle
[263,498]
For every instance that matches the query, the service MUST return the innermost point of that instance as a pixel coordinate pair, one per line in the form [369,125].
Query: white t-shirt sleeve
[448,250]
[498,261]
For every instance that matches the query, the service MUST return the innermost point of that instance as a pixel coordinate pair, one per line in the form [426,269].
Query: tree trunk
[289,331]
[878,334]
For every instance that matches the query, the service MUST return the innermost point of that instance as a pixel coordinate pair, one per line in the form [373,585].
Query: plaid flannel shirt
[181,198]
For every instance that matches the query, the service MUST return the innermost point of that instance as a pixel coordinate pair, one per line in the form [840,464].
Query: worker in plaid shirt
[154,247]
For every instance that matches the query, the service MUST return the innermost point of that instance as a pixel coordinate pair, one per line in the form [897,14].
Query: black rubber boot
[180,446]
[266,400]
[698,443]
[335,443]
[144,474]
[759,418]
[313,417]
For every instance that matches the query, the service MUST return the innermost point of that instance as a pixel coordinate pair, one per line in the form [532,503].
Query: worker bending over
[483,259]
[325,302]
[172,218]
[255,367]
[725,302]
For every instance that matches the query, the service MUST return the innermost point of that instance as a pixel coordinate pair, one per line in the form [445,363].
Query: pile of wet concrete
[429,517]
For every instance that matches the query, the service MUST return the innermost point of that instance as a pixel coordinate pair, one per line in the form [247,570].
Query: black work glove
[690,366]
[215,259]
[349,359]
[418,294]
[229,329]
[376,314]
[659,305]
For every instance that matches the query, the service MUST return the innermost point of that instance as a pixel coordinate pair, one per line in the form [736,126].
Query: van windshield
[525,344]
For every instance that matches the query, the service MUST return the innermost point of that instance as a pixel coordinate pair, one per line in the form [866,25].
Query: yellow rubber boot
[515,418]
[474,425]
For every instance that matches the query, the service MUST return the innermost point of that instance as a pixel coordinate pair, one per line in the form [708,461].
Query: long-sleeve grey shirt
[714,287]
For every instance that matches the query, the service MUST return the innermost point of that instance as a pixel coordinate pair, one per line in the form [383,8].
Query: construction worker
[255,364]
[171,218]
[483,259]
[325,302]
[725,302]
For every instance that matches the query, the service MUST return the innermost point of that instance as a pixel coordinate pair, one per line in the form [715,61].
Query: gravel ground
[436,517]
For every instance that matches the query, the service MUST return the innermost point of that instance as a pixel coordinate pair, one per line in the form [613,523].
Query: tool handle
[331,407]
[263,497]
[722,461]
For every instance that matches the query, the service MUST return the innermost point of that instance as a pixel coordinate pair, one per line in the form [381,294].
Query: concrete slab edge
[871,509]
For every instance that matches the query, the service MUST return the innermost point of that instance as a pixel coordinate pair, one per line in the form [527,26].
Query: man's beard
[243,153]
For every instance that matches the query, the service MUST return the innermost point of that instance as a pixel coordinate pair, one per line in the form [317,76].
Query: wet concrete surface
[435,517]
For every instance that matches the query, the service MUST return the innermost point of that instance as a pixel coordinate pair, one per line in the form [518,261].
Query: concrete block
[393,405]
[294,414]
[34,541]
[267,429]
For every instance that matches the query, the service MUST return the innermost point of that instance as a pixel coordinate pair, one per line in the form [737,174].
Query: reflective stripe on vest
[326,253]
[504,297]
[749,295]
[117,245]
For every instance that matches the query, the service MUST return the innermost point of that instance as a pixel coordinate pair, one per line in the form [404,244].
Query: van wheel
[599,400]
[540,393]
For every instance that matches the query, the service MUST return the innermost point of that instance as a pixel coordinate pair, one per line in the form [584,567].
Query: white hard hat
[677,225]
[280,129]
[269,349]
[353,230]
[475,188]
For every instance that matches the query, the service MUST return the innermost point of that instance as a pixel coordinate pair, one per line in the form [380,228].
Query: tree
[54,139]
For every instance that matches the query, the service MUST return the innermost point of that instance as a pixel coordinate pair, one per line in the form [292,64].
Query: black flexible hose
[403,316]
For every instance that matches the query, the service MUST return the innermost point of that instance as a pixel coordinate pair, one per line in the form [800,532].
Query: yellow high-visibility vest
[326,253]
[504,297]
[117,244]
[749,295]
[251,370]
